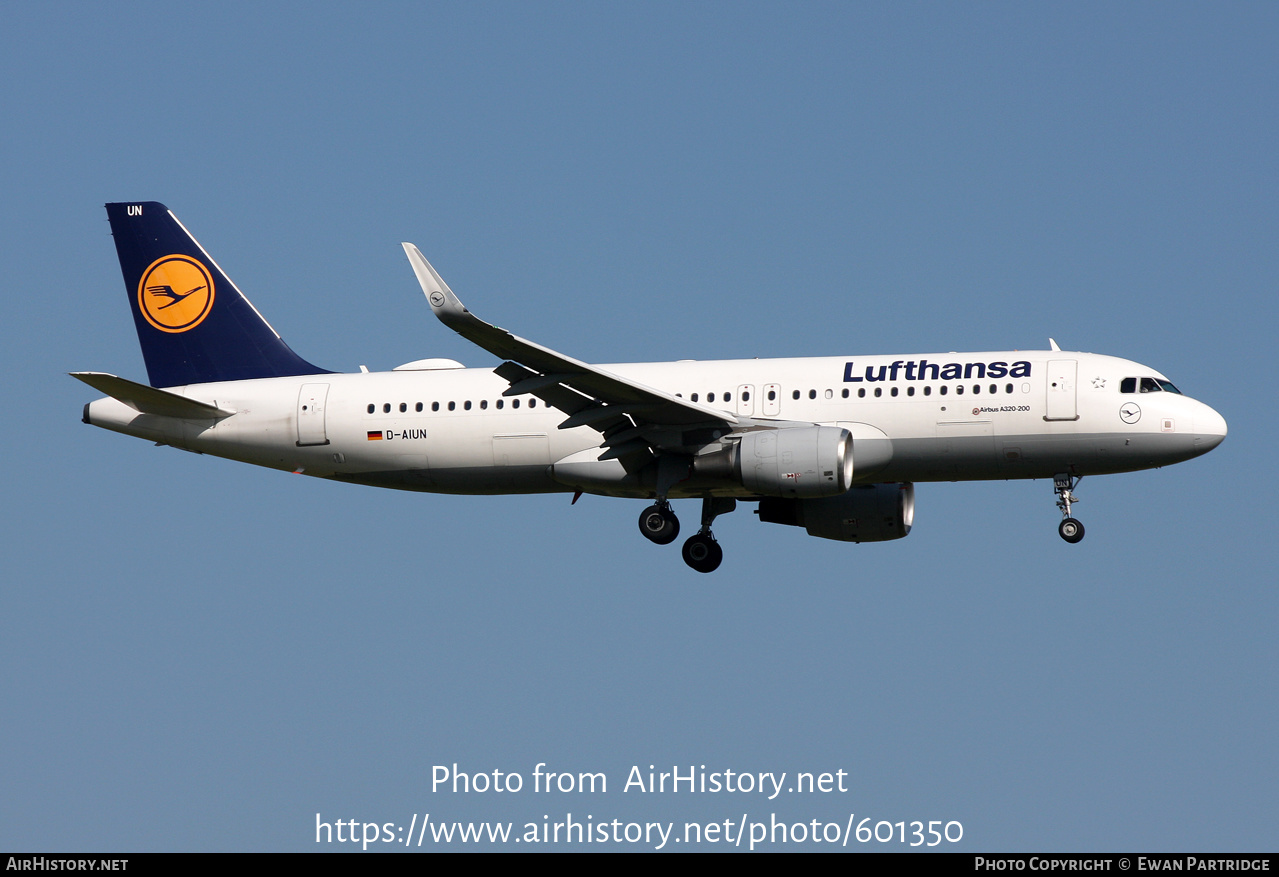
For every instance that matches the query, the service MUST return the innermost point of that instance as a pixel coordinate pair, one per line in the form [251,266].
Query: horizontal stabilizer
[149,400]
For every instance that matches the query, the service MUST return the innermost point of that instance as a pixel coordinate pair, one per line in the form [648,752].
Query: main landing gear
[659,524]
[701,552]
[1070,529]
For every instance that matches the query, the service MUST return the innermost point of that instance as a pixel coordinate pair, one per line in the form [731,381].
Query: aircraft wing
[632,416]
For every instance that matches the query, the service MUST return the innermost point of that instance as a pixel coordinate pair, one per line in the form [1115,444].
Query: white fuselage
[1018,414]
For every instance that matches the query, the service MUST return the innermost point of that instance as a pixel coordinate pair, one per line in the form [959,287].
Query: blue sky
[202,656]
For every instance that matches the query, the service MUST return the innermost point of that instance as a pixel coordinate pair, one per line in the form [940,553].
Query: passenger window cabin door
[772,401]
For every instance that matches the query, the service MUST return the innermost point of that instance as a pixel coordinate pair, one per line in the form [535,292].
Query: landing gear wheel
[703,553]
[1071,530]
[659,524]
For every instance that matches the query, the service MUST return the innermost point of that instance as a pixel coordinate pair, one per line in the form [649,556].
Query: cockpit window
[1148,385]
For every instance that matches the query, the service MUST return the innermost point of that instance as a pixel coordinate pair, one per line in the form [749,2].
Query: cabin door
[1061,390]
[311,415]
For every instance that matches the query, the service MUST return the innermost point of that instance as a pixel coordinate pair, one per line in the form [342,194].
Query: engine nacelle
[871,513]
[810,461]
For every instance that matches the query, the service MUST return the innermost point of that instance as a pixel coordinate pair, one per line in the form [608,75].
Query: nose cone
[1210,429]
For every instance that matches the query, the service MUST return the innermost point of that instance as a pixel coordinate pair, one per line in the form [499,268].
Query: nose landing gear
[1071,530]
[1063,485]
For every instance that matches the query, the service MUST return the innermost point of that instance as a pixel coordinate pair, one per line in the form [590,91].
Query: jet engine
[870,513]
[797,462]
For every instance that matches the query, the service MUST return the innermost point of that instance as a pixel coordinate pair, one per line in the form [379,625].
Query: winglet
[452,313]
[443,302]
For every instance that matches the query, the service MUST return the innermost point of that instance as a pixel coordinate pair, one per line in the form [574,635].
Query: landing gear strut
[1070,529]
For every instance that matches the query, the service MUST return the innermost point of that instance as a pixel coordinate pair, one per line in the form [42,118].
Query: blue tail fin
[194,325]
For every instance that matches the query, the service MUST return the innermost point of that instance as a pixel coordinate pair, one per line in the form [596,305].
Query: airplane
[831,444]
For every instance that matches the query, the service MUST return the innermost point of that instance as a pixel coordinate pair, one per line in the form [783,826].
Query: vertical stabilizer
[194,325]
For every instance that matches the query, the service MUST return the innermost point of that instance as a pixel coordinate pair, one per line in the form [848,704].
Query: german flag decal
[375,435]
